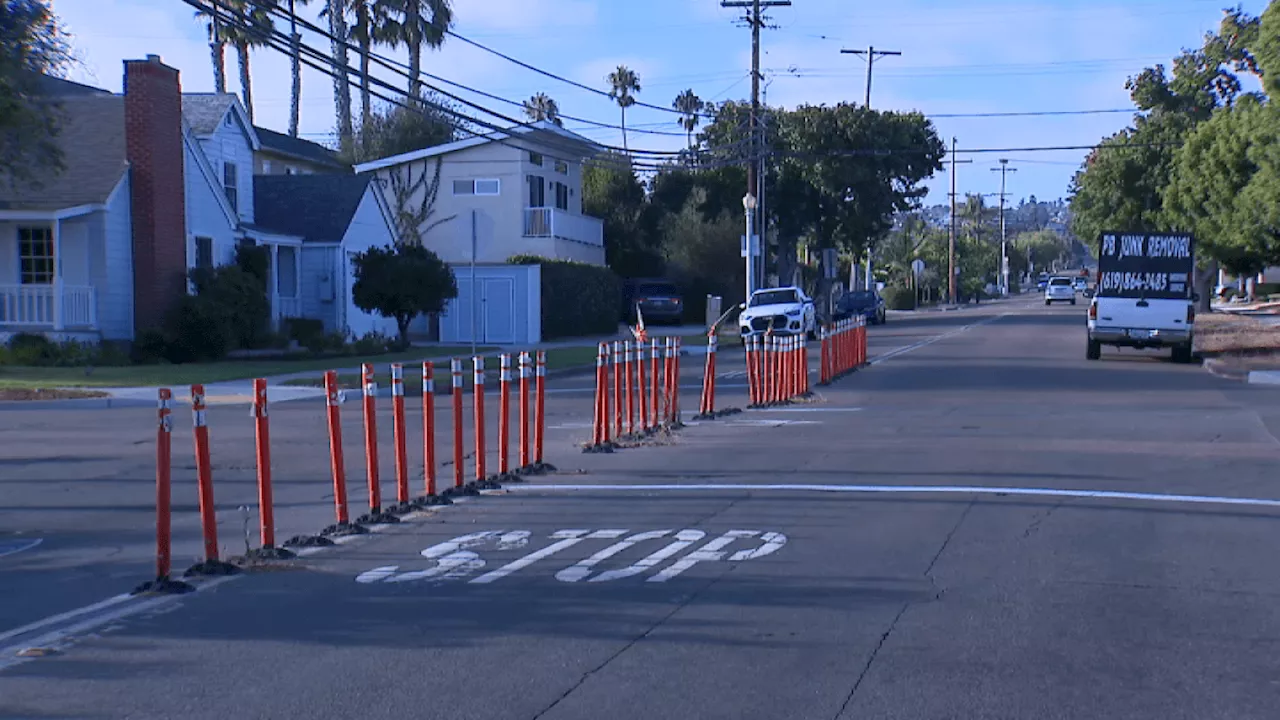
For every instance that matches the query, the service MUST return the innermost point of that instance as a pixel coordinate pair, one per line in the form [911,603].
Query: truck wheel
[1048,302]
[1073,301]
[1093,351]
[1182,353]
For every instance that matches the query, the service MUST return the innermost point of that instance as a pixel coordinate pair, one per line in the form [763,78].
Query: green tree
[624,83]
[690,107]
[703,256]
[250,27]
[369,24]
[418,25]
[1225,184]
[335,10]
[543,107]
[392,129]
[402,282]
[611,191]
[32,43]
[217,44]
[295,67]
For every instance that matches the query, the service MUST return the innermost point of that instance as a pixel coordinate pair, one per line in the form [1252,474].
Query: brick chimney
[153,142]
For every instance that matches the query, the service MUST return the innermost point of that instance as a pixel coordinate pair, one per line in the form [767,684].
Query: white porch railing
[285,307]
[548,222]
[33,306]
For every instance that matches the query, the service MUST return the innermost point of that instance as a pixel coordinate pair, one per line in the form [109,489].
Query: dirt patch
[1228,334]
[7,394]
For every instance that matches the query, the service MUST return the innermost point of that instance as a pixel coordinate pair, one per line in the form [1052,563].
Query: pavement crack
[1035,524]
[947,541]
[871,660]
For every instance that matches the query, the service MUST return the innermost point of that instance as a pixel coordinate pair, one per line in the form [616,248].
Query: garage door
[494,305]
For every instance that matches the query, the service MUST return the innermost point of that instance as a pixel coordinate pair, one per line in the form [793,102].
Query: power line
[871,54]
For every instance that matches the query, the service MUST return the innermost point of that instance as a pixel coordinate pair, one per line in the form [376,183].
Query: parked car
[1059,290]
[1080,283]
[782,311]
[659,301]
[861,303]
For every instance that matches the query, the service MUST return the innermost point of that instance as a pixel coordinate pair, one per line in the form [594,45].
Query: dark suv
[659,301]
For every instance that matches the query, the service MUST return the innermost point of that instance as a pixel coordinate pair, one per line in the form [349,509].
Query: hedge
[899,298]
[577,299]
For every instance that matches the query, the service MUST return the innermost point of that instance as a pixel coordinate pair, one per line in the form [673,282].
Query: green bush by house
[577,298]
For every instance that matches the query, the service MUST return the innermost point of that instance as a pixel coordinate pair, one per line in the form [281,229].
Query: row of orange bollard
[629,404]
[777,369]
[844,349]
[531,422]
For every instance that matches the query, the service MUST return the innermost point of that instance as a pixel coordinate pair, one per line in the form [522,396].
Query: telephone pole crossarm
[871,53]
[951,254]
[1004,170]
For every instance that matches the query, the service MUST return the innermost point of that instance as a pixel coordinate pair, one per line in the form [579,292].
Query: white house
[481,200]
[156,183]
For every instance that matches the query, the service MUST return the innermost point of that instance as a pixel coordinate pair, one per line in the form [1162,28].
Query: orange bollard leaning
[455,368]
[524,410]
[504,415]
[600,416]
[675,384]
[753,377]
[429,428]
[262,446]
[337,463]
[540,415]
[399,434]
[164,508]
[370,388]
[641,387]
[204,477]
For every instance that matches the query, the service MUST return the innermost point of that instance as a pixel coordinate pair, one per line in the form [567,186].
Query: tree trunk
[402,326]
[341,90]
[366,94]
[295,92]
[1204,281]
[624,130]
[218,54]
[246,82]
[413,20]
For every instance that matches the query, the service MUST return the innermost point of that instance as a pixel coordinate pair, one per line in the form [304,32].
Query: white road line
[684,539]
[567,538]
[908,490]
[925,343]
[17,546]
[582,568]
[62,617]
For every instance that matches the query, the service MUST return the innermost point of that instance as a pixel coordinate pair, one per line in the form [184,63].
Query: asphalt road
[925,540]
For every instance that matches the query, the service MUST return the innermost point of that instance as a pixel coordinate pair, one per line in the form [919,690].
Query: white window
[537,191]
[535,158]
[562,195]
[266,167]
[230,184]
[562,167]
[483,186]
[35,255]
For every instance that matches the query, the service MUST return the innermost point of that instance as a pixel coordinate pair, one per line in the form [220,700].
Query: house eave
[59,214]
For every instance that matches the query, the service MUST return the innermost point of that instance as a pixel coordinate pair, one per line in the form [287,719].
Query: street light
[749,208]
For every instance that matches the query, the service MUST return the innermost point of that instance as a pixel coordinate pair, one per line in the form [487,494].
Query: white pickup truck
[1144,297]
[780,311]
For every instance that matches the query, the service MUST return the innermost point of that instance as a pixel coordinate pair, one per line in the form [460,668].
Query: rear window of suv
[1059,281]
[658,290]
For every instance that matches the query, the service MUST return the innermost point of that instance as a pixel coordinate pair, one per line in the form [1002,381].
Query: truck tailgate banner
[1151,265]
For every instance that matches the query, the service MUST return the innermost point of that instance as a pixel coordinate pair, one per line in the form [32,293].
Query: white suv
[782,311]
[1059,290]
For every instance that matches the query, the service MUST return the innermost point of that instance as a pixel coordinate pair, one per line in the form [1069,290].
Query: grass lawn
[18,377]
[557,359]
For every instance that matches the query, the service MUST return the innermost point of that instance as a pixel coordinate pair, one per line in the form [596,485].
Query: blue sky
[958,58]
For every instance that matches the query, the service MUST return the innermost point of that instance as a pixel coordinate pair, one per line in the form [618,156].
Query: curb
[106,403]
[1264,377]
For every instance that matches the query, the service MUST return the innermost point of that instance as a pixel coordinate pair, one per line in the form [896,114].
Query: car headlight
[795,313]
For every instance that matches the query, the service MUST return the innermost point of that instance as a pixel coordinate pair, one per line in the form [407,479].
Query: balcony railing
[548,222]
[33,306]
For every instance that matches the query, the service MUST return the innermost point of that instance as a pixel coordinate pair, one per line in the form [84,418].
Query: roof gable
[552,140]
[206,112]
[92,140]
[300,149]
[318,208]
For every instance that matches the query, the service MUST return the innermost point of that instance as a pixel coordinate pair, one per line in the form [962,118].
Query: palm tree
[251,27]
[542,107]
[369,25]
[690,107]
[217,46]
[418,24]
[341,89]
[623,85]
[295,67]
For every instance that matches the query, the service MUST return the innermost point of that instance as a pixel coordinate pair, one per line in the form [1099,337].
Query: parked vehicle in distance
[781,311]
[1080,283]
[1043,282]
[1144,297]
[660,301]
[1059,289]
[861,303]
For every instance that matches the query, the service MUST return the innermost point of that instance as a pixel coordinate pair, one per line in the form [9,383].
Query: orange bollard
[262,446]
[654,400]
[675,382]
[628,367]
[666,381]
[429,428]
[336,462]
[599,417]
[804,368]
[370,387]
[164,469]
[641,387]
[504,414]
[399,433]
[477,392]
[540,414]
[455,368]
[617,389]
[204,476]
[606,417]
[822,355]
[524,408]
[708,405]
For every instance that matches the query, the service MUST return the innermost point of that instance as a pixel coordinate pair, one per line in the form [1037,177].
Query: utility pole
[1004,170]
[871,54]
[951,262]
[749,203]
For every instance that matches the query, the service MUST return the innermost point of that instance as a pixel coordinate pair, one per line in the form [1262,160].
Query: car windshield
[657,289]
[773,297]
[859,298]
[1059,281]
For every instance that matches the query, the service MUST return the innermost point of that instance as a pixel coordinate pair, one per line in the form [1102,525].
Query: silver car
[1059,290]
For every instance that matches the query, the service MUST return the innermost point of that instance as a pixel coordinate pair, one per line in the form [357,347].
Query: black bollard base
[211,567]
[163,586]
[343,530]
[377,517]
[269,553]
[308,541]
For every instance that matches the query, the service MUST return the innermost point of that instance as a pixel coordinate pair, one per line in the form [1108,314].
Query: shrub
[373,343]
[149,348]
[30,349]
[1264,289]
[1014,287]
[899,298]
[238,298]
[577,298]
[198,330]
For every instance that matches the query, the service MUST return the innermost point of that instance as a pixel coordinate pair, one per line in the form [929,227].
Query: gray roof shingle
[93,155]
[318,208]
[282,144]
[203,111]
